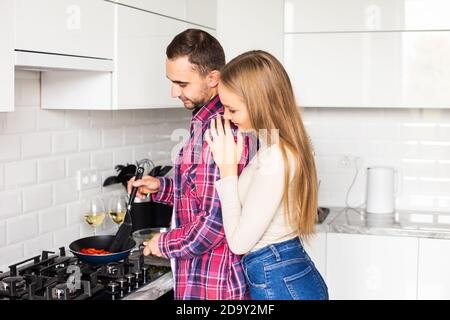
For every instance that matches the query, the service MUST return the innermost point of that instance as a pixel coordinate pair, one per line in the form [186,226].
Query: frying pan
[100,242]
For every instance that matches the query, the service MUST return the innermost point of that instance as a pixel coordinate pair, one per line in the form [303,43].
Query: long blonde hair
[262,82]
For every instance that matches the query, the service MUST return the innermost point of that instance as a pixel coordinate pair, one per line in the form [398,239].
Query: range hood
[44,61]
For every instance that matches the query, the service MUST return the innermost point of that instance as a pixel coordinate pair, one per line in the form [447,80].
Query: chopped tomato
[94,251]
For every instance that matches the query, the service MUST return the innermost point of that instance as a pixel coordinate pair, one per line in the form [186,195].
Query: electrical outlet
[88,179]
[347,161]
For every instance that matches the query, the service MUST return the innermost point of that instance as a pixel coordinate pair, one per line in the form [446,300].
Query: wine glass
[117,208]
[94,213]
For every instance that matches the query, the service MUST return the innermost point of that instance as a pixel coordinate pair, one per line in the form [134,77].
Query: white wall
[41,152]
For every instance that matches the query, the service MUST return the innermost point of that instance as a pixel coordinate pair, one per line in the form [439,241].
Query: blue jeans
[283,271]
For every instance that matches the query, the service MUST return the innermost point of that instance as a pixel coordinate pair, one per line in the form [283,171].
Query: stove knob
[137,278]
[14,284]
[59,292]
[144,274]
[112,268]
[122,283]
[113,287]
[130,280]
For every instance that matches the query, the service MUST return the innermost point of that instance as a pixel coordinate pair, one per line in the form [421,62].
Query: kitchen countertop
[153,290]
[403,223]
[157,287]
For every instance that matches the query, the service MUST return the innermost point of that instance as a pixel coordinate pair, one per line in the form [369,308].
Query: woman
[272,207]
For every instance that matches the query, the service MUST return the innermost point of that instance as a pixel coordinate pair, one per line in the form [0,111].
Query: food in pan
[94,251]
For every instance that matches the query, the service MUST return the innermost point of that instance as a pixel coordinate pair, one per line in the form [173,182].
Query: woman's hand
[226,152]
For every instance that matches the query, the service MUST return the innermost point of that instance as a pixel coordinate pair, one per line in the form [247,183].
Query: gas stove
[52,276]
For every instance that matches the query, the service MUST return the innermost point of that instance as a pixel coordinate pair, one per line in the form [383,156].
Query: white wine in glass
[117,208]
[94,213]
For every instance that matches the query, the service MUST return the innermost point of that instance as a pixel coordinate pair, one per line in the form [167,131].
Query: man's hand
[151,246]
[147,184]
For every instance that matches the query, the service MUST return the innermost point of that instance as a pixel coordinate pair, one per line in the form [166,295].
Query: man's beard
[193,105]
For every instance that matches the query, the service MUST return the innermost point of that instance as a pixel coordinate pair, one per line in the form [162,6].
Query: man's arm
[165,193]
[206,231]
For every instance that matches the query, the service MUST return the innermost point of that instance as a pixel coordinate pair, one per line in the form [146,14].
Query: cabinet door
[6,55]
[71,27]
[373,69]
[250,25]
[371,267]
[434,266]
[170,8]
[366,15]
[140,77]
[198,12]
[202,12]
[316,248]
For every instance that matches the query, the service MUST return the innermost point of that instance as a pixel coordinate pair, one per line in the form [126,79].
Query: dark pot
[149,214]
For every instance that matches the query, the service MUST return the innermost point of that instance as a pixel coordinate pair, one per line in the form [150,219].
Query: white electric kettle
[383,186]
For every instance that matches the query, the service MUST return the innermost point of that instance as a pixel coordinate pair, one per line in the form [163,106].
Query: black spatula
[125,229]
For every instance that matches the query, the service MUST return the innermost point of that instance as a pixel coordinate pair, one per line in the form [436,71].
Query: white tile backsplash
[101,118]
[10,147]
[113,137]
[65,191]
[50,119]
[2,233]
[11,254]
[36,145]
[22,173]
[123,156]
[63,237]
[10,203]
[52,219]
[133,135]
[2,184]
[77,119]
[90,139]
[65,142]
[21,120]
[37,197]
[415,140]
[122,117]
[51,169]
[102,160]
[21,228]
[35,246]
[76,162]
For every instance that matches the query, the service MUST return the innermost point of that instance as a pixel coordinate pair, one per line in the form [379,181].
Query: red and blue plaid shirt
[205,267]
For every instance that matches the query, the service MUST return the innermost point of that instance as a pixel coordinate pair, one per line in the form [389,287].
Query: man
[205,268]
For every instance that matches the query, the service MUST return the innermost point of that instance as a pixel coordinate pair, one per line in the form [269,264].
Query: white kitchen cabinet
[6,55]
[170,8]
[201,12]
[366,15]
[316,248]
[434,264]
[60,89]
[250,25]
[140,77]
[371,267]
[68,27]
[370,69]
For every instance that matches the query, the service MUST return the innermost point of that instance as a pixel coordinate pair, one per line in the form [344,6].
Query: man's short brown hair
[202,49]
